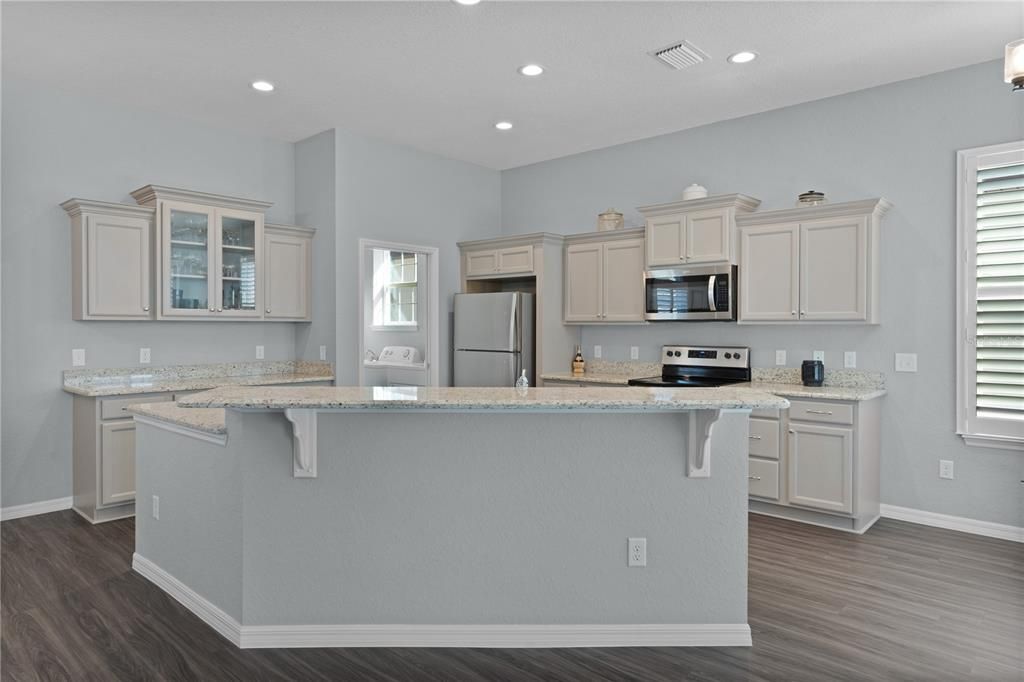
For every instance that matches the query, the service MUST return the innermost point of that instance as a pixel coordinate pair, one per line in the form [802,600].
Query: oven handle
[711,293]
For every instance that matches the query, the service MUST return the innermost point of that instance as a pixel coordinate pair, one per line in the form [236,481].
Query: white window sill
[395,327]
[999,442]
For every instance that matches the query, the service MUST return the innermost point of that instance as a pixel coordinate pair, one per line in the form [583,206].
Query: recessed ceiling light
[742,57]
[531,70]
[263,86]
[467,2]
[503,125]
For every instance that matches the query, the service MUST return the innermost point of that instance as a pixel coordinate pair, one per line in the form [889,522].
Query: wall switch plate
[850,359]
[144,356]
[946,468]
[323,352]
[780,358]
[597,351]
[156,507]
[637,551]
[906,362]
[77,357]
[259,352]
[819,355]
[634,352]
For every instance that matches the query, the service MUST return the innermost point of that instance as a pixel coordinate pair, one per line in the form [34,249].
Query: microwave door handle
[711,293]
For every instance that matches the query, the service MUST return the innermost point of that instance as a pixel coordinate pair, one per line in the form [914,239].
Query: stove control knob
[668,354]
[728,356]
[678,354]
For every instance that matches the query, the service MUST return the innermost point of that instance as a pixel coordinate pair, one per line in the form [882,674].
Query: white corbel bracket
[698,456]
[303,442]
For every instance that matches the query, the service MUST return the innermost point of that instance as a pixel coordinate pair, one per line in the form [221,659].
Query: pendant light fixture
[1013,69]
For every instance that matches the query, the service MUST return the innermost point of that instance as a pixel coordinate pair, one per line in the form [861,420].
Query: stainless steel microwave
[697,293]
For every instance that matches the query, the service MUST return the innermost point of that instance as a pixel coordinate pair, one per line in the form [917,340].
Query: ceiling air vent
[680,56]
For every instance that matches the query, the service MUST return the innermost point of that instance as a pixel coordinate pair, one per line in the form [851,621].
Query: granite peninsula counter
[453,516]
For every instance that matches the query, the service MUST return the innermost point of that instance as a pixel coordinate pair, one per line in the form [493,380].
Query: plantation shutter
[1000,293]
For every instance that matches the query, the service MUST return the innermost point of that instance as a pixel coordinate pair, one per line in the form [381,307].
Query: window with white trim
[990,281]
[395,283]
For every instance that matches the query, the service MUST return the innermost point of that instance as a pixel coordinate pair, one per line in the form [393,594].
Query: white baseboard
[926,518]
[475,636]
[34,508]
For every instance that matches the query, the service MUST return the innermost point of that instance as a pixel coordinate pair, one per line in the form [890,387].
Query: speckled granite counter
[497,399]
[209,420]
[592,377]
[135,380]
[817,392]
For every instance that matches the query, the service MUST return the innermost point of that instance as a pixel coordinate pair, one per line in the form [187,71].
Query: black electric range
[694,366]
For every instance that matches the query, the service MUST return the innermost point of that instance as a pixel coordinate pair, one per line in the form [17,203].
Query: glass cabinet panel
[238,263]
[189,256]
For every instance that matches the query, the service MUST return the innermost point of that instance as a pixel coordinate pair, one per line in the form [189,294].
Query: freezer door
[481,368]
[486,321]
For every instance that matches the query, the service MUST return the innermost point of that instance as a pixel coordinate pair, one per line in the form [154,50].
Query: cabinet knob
[792,431]
[268,310]
[213,310]
[145,308]
[220,310]
[802,313]
[792,312]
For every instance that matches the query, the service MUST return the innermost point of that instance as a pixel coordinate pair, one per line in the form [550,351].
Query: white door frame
[432,318]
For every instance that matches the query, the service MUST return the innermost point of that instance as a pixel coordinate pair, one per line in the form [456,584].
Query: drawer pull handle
[754,478]
[819,411]
[124,409]
[755,438]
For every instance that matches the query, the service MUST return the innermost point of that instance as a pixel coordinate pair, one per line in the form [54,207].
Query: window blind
[1000,293]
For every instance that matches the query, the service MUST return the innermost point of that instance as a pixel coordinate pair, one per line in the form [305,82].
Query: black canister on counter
[812,372]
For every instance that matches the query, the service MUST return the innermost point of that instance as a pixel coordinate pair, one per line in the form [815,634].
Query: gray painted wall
[57,146]
[897,141]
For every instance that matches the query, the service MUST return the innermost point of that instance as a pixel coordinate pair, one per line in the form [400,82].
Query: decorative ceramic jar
[609,220]
[695,191]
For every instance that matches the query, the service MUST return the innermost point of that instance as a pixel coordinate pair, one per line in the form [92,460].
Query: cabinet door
[287,277]
[821,467]
[622,281]
[665,240]
[769,273]
[481,263]
[117,267]
[518,259]
[239,259]
[707,236]
[583,286]
[188,260]
[834,269]
[117,462]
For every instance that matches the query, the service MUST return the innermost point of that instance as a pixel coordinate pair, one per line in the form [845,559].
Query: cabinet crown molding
[534,238]
[875,207]
[150,194]
[741,202]
[298,230]
[606,236]
[76,207]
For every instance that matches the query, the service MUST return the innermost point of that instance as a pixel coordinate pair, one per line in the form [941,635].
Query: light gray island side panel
[447,518]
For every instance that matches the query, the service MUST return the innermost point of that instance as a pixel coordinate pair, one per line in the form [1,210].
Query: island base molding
[441,636]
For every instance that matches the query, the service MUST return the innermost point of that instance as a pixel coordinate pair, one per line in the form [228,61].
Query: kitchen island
[452,516]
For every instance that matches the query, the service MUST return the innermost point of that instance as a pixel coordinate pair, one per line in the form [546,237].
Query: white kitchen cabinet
[288,276]
[821,467]
[503,262]
[604,278]
[117,462]
[811,265]
[111,260]
[696,231]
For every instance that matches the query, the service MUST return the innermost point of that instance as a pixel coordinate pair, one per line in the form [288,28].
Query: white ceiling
[437,76]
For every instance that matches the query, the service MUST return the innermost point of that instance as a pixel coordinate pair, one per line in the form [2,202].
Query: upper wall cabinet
[111,260]
[695,231]
[504,262]
[816,264]
[288,283]
[210,255]
[604,277]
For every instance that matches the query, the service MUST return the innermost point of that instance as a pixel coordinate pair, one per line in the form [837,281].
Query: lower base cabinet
[821,467]
[117,462]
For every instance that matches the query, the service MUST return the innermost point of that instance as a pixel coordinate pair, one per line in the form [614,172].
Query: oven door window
[680,294]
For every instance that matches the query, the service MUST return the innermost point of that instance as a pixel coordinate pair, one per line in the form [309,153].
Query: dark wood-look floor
[902,602]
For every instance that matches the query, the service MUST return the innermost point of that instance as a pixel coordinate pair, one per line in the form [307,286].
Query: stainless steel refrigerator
[493,338]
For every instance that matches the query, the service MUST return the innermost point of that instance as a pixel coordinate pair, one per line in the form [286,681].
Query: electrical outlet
[634,352]
[77,357]
[906,362]
[780,358]
[323,352]
[259,352]
[597,351]
[637,551]
[850,359]
[819,355]
[156,507]
[144,356]
[946,468]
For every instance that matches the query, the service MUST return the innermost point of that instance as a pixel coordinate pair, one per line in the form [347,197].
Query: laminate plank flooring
[902,602]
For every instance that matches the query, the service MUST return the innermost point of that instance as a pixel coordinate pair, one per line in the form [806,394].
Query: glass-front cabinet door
[239,259]
[188,235]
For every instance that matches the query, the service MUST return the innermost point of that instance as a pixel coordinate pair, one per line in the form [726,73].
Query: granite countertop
[818,392]
[592,377]
[209,420]
[136,380]
[501,399]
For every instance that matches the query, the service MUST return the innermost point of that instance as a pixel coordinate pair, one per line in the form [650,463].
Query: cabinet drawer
[117,408]
[765,413]
[834,413]
[764,478]
[764,438]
